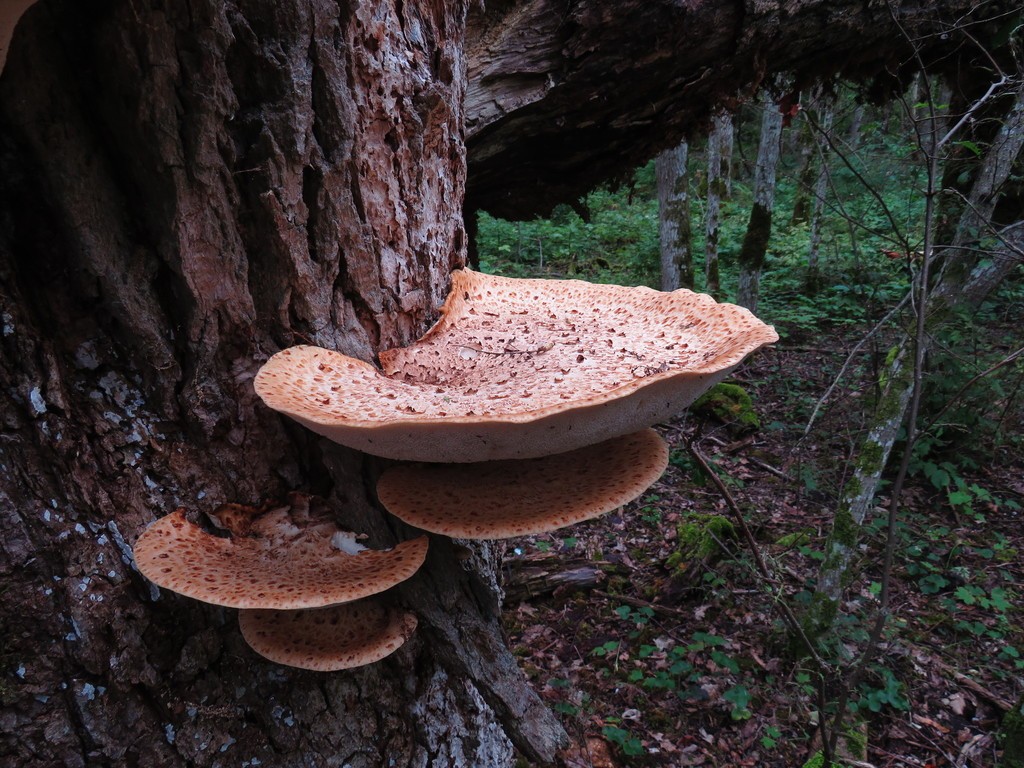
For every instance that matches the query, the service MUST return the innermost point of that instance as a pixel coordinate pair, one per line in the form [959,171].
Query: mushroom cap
[327,639]
[273,559]
[518,369]
[517,497]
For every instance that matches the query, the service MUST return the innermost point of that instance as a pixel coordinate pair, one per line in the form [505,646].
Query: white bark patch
[35,399]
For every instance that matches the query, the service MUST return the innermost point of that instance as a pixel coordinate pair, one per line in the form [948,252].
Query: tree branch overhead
[563,96]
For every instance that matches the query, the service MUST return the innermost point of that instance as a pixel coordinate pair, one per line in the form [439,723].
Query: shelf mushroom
[327,639]
[289,571]
[519,369]
[271,560]
[519,497]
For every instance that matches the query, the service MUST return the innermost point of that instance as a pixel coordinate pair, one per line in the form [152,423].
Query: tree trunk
[806,176]
[813,280]
[725,129]
[187,189]
[673,179]
[759,228]
[712,213]
[853,131]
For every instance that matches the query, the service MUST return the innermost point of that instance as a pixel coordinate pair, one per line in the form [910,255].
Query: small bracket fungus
[281,558]
[327,639]
[519,369]
[517,497]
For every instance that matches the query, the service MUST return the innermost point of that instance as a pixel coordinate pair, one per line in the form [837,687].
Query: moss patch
[794,540]
[730,404]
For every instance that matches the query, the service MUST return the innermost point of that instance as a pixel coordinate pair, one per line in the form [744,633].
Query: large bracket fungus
[519,497]
[519,369]
[530,391]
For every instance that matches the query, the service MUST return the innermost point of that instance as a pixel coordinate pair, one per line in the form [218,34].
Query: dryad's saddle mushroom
[301,582]
[273,559]
[519,497]
[513,371]
[519,369]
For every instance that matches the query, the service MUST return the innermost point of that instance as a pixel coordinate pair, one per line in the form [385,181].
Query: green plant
[771,737]
[739,698]
[883,691]
[629,744]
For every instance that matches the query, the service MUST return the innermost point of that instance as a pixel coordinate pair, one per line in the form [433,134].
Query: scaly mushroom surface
[519,369]
[281,559]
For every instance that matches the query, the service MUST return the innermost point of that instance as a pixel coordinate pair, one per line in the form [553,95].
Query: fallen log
[535,576]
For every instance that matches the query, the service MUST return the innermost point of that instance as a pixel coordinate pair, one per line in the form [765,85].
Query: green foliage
[683,670]
[739,697]
[619,243]
[884,691]
[629,744]
[771,737]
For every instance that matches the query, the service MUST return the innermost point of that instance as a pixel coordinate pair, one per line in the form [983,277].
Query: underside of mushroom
[327,639]
[519,497]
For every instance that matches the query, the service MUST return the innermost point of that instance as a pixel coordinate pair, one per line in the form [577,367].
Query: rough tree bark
[187,188]
[674,231]
[724,126]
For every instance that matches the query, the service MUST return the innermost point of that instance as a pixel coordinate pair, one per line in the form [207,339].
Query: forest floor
[655,637]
